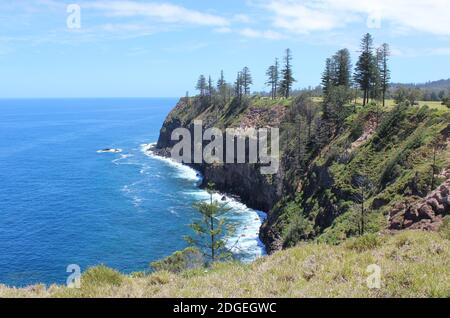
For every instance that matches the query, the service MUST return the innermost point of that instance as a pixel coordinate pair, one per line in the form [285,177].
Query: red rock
[426,211]
[436,206]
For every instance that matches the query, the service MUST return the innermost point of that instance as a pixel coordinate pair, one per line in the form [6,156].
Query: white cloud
[124,27]
[242,18]
[304,16]
[297,17]
[414,52]
[269,34]
[186,47]
[223,30]
[165,12]
[440,51]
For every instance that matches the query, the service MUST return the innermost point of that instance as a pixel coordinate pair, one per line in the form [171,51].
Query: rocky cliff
[423,213]
[317,192]
[242,180]
[237,179]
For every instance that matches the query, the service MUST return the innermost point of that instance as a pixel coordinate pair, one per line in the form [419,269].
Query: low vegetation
[412,263]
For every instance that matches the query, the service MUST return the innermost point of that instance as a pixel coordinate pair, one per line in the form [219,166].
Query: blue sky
[158,48]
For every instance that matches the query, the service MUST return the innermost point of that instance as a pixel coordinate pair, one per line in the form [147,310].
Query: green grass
[413,264]
[390,103]
[364,243]
[445,229]
[267,102]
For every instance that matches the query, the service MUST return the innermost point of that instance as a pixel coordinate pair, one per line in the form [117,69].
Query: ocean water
[62,202]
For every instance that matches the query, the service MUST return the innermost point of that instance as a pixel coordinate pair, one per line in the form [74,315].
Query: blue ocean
[62,202]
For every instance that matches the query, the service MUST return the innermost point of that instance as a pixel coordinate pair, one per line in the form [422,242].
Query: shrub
[423,113]
[389,126]
[160,278]
[138,274]
[446,101]
[364,243]
[411,95]
[357,130]
[190,258]
[394,166]
[102,275]
[298,229]
[392,169]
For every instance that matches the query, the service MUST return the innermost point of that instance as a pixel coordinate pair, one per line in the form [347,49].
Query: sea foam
[184,171]
[245,241]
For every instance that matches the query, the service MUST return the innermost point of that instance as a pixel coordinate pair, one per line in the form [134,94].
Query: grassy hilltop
[413,264]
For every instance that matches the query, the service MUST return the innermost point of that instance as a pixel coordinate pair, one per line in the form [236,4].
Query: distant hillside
[443,84]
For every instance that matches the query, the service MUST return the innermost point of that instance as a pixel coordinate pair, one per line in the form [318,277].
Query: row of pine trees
[280,80]
[371,76]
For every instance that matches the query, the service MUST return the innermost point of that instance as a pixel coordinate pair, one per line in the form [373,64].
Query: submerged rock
[110,150]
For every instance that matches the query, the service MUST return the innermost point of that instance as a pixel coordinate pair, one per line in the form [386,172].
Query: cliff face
[258,191]
[316,193]
[236,179]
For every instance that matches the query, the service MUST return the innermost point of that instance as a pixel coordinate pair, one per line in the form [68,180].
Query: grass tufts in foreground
[413,264]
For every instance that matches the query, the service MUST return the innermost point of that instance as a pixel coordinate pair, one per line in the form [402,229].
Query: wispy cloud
[304,16]
[164,12]
[101,21]
[269,34]
[299,17]
[186,47]
[223,30]
[414,52]
[242,18]
[317,22]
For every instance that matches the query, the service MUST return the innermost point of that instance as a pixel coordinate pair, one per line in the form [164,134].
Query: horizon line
[87,97]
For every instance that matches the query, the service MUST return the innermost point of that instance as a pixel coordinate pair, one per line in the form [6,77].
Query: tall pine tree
[238,86]
[201,85]
[210,88]
[343,68]
[222,88]
[247,80]
[273,78]
[385,73]
[365,67]
[328,77]
[287,78]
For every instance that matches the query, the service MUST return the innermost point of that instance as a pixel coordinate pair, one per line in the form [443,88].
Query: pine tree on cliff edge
[385,73]
[201,85]
[365,67]
[247,80]
[273,76]
[287,78]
